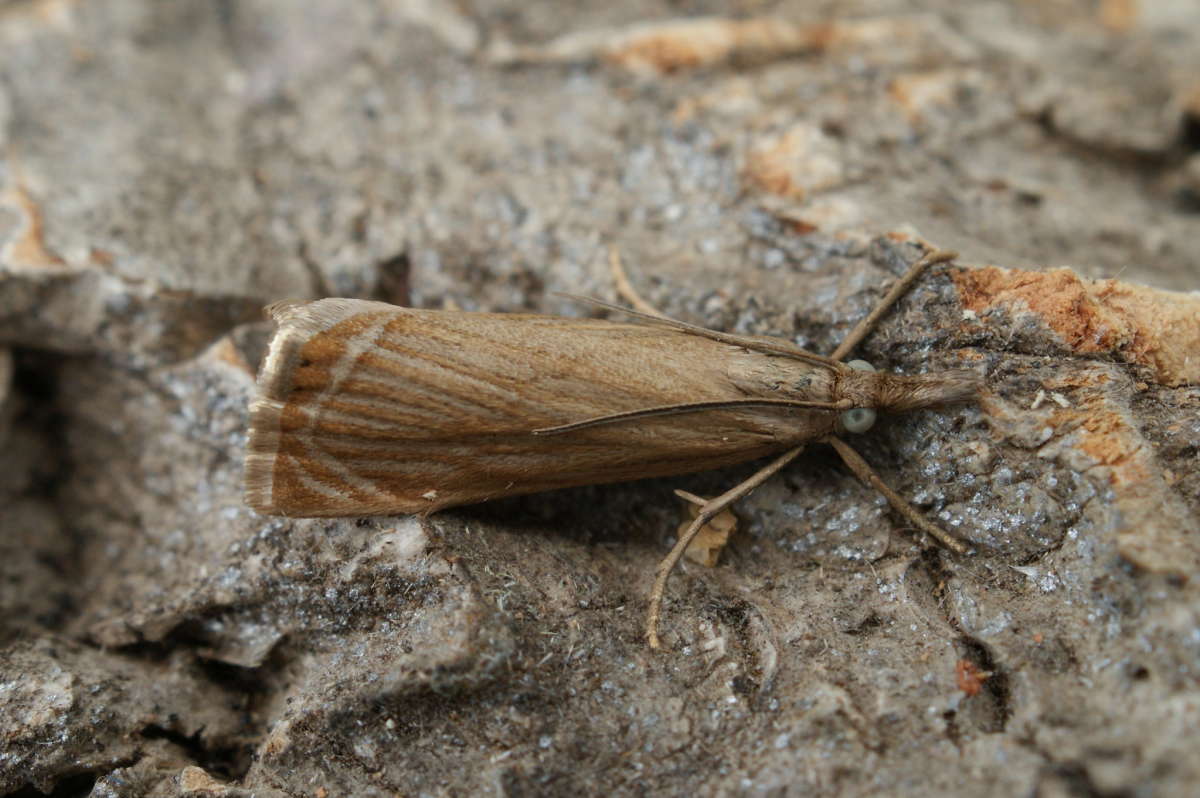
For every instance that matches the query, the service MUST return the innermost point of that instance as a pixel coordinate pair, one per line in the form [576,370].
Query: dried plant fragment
[705,549]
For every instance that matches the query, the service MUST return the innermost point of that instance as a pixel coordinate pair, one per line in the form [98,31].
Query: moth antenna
[767,346]
[862,469]
[625,287]
[689,407]
[901,286]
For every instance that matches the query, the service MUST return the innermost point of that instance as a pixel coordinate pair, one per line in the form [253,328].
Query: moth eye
[858,419]
[860,365]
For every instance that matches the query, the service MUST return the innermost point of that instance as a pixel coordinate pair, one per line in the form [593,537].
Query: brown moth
[366,408]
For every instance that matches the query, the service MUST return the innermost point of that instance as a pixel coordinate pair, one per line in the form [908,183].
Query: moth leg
[708,511]
[864,327]
[864,472]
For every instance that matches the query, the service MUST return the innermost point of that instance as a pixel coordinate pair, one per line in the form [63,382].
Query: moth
[366,408]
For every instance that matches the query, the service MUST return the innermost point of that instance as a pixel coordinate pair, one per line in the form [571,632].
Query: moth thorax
[861,417]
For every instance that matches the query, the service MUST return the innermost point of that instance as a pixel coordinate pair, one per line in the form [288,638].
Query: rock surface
[169,168]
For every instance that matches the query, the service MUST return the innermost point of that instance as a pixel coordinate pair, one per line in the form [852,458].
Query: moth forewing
[367,408]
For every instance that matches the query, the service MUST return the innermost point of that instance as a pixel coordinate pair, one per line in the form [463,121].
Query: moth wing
[366,408]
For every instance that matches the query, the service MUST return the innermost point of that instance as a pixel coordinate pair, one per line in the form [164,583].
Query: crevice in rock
[40,465]
[67,787]
[226,762]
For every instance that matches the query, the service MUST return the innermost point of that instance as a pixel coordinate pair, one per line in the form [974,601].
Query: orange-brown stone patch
[697,43]
[28,248]
[796,164]
[1107,437]
[920,92]
[1119,16]
[1155,328]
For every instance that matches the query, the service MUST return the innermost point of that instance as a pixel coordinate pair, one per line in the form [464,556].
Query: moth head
[873,392]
